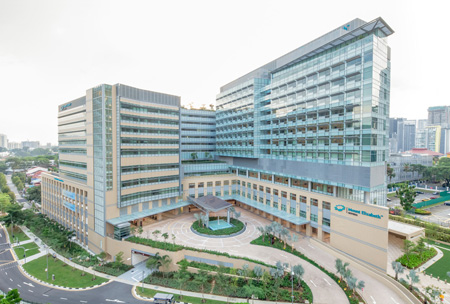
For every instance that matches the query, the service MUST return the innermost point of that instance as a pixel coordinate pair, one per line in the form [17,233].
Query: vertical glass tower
[318,114]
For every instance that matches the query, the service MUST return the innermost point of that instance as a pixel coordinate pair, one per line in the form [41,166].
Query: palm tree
[294,239]
[298,273]
[413,277]
[284,233]
[341,268]
[390,172]
[398,268]
[262,230]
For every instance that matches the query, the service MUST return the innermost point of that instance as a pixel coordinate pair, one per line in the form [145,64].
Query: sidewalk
[130,281]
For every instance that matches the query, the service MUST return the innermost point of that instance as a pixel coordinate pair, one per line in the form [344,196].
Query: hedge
[171,247]
[422,212]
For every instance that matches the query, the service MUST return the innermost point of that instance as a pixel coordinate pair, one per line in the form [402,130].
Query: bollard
[53,277]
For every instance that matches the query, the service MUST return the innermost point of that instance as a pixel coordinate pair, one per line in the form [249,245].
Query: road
[19,198]
[13,278]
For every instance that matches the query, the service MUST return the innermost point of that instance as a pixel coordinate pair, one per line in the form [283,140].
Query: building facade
[403,165]
[303,140]
[3,141]
[439,116]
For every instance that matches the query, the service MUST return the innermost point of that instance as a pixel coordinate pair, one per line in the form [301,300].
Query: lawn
[18,234]
[149,293]
[30,248]
[442,266]
[64,275]
[238,226]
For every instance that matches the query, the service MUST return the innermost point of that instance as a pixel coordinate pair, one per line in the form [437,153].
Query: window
[255,187]
[293,197]
[326,222]
[275,205]
[302,213]
[292,211]
[326,206]
[314,202]
[303,199]
[314,217]
[226,183]
[201,185]
[191,185]
[284,194]
[218,183]
[261,188]
[268,202]
[267,190]
[209,184]
[275,192]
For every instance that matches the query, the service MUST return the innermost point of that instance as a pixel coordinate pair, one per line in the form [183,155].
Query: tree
[341,268]
[413,277]
[398,268]
[294,239]
[34,194]
[407,195]
[298,273]
[133,230]
[277,273]
[408,247]
[198,218]
[119,260]
[202,278]
[258,272]
[12,297]
[284,233]
[140,230]
[420,247]
[244,272]
[390,172]
[182,276]
[156,233]
[173,239]
[262,230]
[165,235]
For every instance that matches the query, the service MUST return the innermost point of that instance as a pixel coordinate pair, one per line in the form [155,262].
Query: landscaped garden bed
[238,226]
[19,235]
[441,267]
[150,293]
[65,275]
[265,287]
[352,296]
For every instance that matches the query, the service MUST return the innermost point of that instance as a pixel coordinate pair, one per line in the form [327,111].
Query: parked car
[433,197]
[447,203]
[388,199]
[436,193]
[419,192]
[425,199]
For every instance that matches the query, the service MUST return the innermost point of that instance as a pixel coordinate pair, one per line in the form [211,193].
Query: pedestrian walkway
[439,255]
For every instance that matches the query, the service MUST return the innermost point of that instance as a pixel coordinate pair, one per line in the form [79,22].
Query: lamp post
[48,247]
[143,277]
[292,280]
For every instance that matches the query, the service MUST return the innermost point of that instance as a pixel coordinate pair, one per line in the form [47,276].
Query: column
[308,230]
[309,186]
[334,191]
[228,215]
[366,197]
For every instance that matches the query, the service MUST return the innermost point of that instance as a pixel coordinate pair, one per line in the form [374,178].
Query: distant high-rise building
[31,144]
[433,138]
[421,133]
[3,141]
[14,145]
[439,116]
[402,134]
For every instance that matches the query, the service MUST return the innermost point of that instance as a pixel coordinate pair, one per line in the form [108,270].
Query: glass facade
[329,107]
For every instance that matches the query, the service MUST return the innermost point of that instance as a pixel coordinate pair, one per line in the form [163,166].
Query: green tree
[182,276]
[258,272]
[12,297]
[119,260]
[202,278]
[420,247]
[140,230]
[407,195]
[156,233]
[3,167]
[165,235]
[408,247]
[34,194]
[341,268]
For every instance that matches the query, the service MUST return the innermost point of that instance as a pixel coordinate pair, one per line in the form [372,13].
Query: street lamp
[143,276]
[292,280]
[48,247]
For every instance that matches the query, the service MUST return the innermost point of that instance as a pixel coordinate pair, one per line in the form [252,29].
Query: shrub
[414,260]
[423,212]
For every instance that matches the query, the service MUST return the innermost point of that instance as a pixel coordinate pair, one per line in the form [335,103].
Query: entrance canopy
[406,231]
[210,203]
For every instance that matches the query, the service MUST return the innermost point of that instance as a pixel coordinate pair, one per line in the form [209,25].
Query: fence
[444,196]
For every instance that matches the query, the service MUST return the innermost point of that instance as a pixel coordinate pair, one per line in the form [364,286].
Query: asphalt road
[19,198]
[12,278]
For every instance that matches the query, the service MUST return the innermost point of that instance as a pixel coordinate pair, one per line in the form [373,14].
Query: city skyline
[144,49]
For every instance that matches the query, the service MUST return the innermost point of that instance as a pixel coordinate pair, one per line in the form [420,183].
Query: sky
[51,52]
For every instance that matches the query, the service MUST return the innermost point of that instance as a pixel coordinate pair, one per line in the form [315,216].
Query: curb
[219,236]
[60,287]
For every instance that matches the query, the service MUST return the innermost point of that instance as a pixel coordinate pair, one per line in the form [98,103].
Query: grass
[149,293]
[18,234]
[391,194]
[442,266]
[30,248]
[64,274]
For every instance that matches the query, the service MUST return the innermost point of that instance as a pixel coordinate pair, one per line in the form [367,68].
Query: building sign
[356,212]
[65,106]
[59,180]
[347,27]
[69,194]
[69,206]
